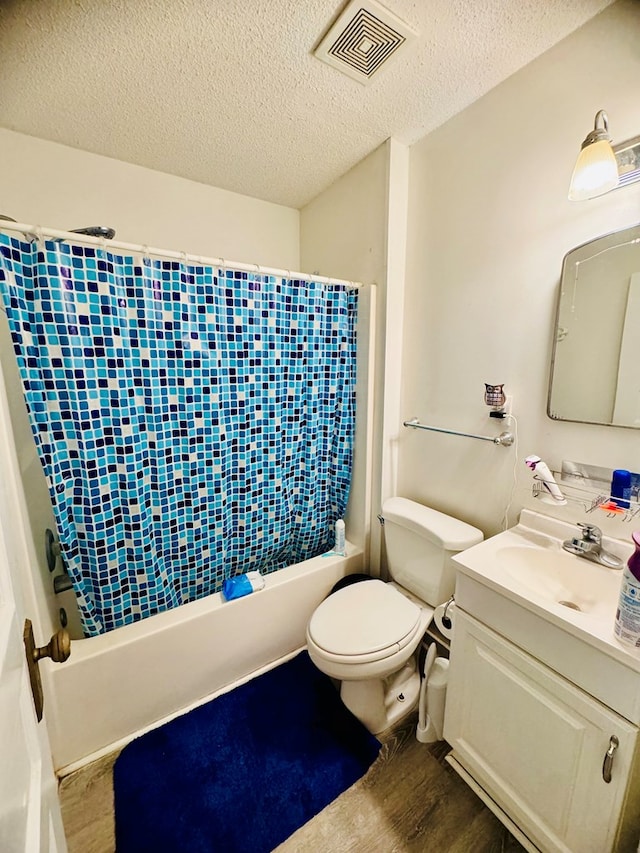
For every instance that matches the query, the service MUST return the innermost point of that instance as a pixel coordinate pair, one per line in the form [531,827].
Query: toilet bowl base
[381,702]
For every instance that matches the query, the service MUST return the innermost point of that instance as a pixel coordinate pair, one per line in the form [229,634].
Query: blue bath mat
[243,772]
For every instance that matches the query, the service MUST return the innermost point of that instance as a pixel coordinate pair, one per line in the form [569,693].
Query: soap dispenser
[627,626]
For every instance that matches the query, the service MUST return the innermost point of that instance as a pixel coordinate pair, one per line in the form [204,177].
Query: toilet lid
[363,618]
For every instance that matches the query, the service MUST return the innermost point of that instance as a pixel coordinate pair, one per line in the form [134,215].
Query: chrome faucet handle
[590,533]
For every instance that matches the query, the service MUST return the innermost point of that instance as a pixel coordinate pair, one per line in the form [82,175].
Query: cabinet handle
[607,764]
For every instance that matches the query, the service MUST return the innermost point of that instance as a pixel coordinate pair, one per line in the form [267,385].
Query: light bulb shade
[595,173]
[596,169]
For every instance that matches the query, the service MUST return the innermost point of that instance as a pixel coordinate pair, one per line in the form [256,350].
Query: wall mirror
[595,368]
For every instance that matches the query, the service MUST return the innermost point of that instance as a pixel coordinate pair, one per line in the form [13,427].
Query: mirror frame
[565,266]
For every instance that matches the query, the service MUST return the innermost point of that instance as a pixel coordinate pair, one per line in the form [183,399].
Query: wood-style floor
[410,801]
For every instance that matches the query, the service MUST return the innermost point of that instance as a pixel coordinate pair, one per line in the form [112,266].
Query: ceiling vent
[363,39]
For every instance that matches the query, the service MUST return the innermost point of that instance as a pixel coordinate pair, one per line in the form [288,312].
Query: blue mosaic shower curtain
[192,422]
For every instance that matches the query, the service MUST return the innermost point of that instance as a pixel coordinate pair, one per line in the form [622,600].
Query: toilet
[366,634]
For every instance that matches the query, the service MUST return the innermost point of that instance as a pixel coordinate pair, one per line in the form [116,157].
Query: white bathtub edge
[113,687]
[119,745]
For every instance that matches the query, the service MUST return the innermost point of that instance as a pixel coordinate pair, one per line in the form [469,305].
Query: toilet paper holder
[446,619]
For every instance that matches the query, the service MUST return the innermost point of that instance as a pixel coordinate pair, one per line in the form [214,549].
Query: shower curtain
[193,422]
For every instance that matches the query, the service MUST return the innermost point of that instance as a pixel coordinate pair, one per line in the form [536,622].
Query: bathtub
[122,683]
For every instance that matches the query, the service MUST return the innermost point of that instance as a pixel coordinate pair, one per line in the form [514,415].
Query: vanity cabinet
[539,748]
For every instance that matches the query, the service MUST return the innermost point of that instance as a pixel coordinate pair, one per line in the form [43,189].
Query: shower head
[91,231]
[96,231]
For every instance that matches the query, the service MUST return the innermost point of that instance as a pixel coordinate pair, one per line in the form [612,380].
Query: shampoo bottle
[621,488]
[340,543]
[627,627]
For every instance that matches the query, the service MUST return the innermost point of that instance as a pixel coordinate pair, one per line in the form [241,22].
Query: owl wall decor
[494,396]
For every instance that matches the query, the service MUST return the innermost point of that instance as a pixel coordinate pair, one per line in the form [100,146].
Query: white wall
[489,225]
[356,229]
[47,184]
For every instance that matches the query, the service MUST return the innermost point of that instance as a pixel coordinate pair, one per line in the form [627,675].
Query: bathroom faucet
[590,547]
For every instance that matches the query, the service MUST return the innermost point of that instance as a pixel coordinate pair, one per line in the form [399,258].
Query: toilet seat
[364,622]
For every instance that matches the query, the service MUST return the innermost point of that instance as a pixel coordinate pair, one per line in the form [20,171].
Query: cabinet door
[535,743]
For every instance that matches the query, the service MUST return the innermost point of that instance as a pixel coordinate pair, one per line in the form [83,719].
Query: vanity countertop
[528,566]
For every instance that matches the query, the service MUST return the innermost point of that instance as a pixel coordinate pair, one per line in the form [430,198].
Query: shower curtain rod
[39,231]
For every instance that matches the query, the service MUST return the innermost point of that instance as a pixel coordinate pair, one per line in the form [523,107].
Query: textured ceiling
[229,93]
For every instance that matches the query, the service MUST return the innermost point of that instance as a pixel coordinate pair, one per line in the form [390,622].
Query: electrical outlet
[508,406]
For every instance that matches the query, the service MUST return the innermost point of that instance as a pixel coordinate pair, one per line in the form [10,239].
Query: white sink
[528,564]
[556,576]
[559,607]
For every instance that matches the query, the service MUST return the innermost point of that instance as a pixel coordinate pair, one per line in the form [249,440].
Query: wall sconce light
[601,166]
[596,169]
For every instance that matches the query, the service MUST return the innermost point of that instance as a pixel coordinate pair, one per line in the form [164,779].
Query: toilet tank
[420,542]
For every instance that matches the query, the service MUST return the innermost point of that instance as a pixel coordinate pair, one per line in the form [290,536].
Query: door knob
[58,649]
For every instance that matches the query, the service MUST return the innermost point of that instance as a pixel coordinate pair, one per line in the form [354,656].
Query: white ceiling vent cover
[363,39]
